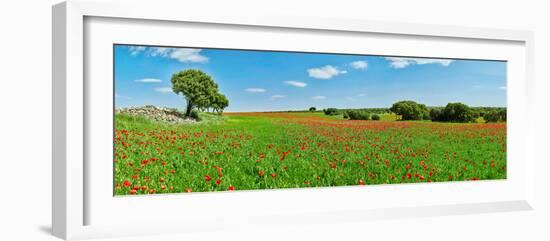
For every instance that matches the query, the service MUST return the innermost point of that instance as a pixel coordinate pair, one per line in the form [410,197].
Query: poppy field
[250,151]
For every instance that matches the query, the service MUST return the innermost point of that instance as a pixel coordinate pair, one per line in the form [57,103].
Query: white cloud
[160,51]
[163,89]
[325,72]
[148,80]
[359,64]
[399,62]
[502,87]
[362,95]
[319,97]
[255,90]
[135,50]
[184,55]
[277,96]
[296,83]
[349,98]
[122,97]
[188,55]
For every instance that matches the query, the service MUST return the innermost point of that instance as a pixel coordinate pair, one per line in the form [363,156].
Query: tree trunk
[189,108]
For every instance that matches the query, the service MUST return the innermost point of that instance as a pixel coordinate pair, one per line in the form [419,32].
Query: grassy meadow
[248,151]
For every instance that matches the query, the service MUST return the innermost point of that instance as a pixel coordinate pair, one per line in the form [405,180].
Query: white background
[25,92]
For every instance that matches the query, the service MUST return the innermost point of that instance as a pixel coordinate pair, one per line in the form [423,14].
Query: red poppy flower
[218,182]
[284,155]
[273,175]
[231,188]
[127,183]
[133,192]
[361,182]
[134,176]
[207,177]
[262,173]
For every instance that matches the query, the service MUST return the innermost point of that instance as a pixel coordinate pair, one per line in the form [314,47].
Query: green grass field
[245,151]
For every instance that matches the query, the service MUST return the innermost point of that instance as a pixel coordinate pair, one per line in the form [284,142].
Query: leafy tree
[495,116]
[345,115]
[375,117]
[491,116]
[199,90]
[220,102]
[456,112]
[358,115]
[331,111]
[312,109]
[410,110]
[502,114]
[435,114]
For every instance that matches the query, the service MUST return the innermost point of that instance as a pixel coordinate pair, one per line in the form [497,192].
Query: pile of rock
[152,112]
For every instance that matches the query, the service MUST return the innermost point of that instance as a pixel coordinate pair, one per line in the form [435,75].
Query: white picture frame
[72,192]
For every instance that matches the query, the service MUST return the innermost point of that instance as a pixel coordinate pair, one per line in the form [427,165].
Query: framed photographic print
[194,118]
[201,120]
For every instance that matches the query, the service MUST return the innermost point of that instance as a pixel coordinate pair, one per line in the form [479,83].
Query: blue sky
[271,81]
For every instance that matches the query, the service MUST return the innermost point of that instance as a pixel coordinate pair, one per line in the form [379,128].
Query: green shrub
[375,117]
[358,115]
[331,111]
[195,115]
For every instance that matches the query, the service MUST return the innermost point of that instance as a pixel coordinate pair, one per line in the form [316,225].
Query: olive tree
[220,102]
[199,89]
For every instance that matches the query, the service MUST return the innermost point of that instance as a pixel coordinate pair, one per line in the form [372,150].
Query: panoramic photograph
[203,120]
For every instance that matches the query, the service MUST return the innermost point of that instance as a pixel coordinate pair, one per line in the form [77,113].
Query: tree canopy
[453,112]
[410,110]
[199,90]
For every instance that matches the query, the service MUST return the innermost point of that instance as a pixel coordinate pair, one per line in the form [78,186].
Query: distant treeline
[410,110]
